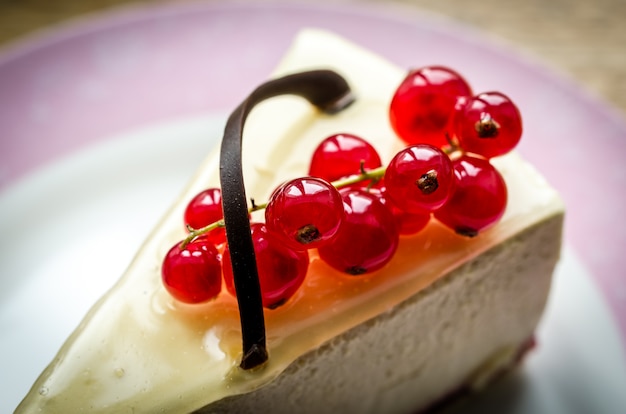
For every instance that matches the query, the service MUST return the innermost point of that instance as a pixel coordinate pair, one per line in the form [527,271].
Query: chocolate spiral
[330,93]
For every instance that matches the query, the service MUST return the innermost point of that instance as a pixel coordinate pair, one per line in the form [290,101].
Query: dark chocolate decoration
[330,93]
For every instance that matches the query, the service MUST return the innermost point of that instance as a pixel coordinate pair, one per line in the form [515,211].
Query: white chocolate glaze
[139,351]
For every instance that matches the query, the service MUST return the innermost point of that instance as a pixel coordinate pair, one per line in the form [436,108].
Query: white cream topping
[139,351]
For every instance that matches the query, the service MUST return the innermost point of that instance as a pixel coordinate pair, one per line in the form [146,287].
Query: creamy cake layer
[458,333]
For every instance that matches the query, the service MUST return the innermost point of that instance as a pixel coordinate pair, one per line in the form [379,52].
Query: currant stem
[195,233]
[375,174]
[452,145]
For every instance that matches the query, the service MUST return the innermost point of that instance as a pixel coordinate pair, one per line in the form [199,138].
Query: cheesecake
[447,313]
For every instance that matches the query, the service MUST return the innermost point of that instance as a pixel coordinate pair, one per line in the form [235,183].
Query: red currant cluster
[435,105]
[351,208]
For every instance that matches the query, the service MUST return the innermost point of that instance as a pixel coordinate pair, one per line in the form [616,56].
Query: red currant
[367,237]
[192,274]
[304,213]
[204,209]
[342,155]
[419,179]
[281,269]
[488,125]
[478,199]
[407,223]
[422,107]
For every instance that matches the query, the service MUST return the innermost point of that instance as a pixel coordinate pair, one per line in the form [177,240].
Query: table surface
[584,40]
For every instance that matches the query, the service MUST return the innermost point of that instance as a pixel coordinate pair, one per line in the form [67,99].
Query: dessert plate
[103,120]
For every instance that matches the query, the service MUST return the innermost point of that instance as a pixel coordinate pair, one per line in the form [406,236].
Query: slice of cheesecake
[446,313]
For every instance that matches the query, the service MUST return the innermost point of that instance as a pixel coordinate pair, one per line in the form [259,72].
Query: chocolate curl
[330,93]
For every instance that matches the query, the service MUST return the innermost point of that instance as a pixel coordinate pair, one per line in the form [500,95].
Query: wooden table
[585,40]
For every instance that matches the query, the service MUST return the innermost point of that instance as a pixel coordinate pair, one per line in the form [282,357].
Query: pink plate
[69,88]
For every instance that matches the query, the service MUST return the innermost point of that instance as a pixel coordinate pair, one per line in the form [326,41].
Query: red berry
[367,237]
[341,155]
[407,223]
[304,213]
[281,270]
[488,125]
[419,179]
[478,199]
[204,209]
[192,274]
[422,107]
